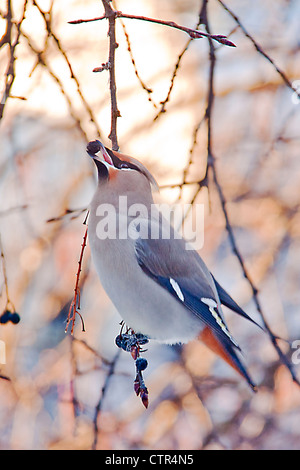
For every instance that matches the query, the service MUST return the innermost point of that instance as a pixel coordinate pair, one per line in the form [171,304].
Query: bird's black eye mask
[121,163]
[94,147]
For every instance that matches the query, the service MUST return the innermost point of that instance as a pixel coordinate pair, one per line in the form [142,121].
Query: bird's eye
[128,166]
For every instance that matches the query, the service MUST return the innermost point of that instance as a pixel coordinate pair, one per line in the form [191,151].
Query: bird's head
[118,169]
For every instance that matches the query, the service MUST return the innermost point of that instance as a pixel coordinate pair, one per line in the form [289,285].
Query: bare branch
[47,17]
[40,60]
[7,38]
[177,65]
[259,48]
[75,304]
[115,113]
[99,406]
[148,90]
[191,32]
[9,303]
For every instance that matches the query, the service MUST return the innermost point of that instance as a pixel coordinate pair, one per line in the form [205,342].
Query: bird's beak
[98,152]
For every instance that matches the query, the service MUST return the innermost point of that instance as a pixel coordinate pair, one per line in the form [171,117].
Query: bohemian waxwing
[161,289]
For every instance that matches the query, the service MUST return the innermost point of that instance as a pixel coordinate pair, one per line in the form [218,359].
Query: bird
[160,288]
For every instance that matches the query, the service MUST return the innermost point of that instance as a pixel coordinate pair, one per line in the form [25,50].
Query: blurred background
[64,392]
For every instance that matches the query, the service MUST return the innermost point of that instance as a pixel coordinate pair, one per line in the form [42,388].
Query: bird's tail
[226,350]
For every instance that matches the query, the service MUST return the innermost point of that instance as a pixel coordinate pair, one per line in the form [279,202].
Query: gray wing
[183,273]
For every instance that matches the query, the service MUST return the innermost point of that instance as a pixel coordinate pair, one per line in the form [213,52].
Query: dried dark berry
[5,317]
[141,364]
[118,341]
[15,318]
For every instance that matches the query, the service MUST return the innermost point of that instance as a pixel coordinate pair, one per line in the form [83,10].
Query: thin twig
[47,17]
[259,48]
[178,185]
[164,102]
[41,60]
[74,373]
[75,304]
[191,32]
[11,210]
[190,161]
[99,406]
[92,350]
[75,213]
[4,377]
[111,14]
[148,90]
[8,38]
[9,303]
[177,65]
[207,115]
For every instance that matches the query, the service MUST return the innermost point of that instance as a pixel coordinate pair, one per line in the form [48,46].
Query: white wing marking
[177,289]
[212,305]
